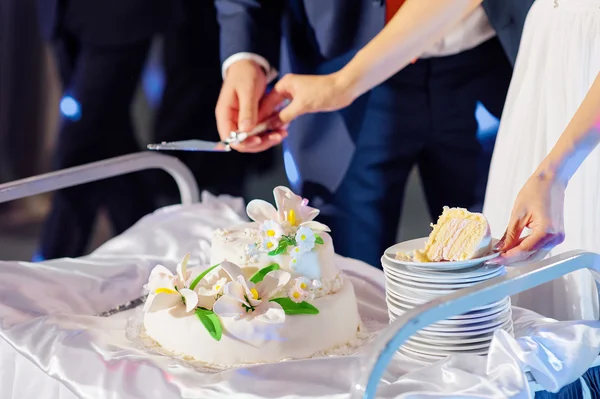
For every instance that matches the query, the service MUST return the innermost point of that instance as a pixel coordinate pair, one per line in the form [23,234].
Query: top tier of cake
[286,235]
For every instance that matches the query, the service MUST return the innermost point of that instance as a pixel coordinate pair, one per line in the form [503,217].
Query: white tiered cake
[273,294]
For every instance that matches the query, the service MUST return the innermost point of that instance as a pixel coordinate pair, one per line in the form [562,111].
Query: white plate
[483,338]
[399,309]
[431,284]
[485,270]
[396,312]
[506,326]
[412,245]
[405,274]
[446,350]
[418,292]
[448,347]
[403,300]
[473,327]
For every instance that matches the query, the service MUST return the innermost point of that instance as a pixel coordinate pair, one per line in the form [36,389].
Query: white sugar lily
[291,209]
[209,290]
[167,290]
[244,299]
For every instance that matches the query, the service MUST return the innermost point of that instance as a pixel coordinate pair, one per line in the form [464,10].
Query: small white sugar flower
[271,229]
[297,295]
[297,252]
[293,263]
[302,284]
[305,238]
[269,244]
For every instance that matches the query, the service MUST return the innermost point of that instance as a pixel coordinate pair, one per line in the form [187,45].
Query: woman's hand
[539,207]
[313,93]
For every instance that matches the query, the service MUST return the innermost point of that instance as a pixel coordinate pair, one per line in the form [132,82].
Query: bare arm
[416,26]
[540,203]
[578,140]
[413,30]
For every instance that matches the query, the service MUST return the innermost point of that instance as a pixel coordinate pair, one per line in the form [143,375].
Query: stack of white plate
[411,284]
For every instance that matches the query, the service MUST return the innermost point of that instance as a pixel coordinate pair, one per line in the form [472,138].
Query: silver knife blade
[214,146]
[191,145]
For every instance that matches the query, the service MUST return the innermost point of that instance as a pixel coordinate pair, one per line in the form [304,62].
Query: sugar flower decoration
[291,209]
[305,238]
[271,229]
[303,289]
[167,290]
[210,289]
[242,299]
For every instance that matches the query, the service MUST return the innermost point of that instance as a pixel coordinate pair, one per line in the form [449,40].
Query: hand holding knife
[235,137]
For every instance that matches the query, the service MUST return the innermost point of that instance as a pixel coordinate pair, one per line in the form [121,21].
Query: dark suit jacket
[320,36]
[108,22]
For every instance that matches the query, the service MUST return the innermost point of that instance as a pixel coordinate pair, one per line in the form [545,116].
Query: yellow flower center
[292,217]
[254,293]
[271,233]
[294,261]
[270,245]
[302,237]
[296,295]
[165,291]
[303,286]
[217,287]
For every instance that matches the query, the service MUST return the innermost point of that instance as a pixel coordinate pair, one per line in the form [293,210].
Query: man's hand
[239,107]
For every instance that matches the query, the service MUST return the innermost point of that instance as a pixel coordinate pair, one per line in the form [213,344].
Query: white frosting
[232,245]
[254,341]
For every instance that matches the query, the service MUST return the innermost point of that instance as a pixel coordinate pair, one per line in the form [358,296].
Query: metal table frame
[188,188]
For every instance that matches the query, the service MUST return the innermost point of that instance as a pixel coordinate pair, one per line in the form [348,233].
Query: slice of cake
[458,235]
[273,292]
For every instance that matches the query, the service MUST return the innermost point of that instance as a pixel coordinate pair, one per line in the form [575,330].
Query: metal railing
[372,367]
[188,188]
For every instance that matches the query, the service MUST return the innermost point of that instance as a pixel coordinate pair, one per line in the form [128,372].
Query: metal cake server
[214,146]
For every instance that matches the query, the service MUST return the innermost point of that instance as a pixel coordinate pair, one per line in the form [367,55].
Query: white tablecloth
[53,347]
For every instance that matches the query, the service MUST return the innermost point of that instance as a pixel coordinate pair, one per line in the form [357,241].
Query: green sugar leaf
[292,308]
[280,248]
[318,240]
[260,275]
[202,275]
[211,322]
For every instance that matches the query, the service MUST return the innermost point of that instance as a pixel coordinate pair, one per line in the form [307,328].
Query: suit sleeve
[250,26]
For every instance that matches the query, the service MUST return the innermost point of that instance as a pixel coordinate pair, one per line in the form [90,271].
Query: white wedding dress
[558,60]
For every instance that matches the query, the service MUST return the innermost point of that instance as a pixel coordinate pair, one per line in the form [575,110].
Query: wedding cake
[273,292]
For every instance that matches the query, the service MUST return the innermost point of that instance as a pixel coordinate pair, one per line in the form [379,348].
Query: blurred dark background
[31,106]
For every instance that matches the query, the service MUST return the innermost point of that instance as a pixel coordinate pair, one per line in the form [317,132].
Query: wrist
[346,83]
[551,171]
[244,65]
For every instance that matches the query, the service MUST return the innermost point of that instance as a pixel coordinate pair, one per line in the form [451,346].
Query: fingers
[248,99]
[225,112]
[292,111]
[511,235]
[532,247]
[262,142]
[269,104]
[286,87]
